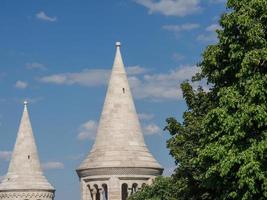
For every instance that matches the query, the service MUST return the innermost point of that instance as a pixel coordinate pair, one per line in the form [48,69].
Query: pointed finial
[118,44]
[25,103]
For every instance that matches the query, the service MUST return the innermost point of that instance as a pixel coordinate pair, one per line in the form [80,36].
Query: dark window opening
[124,191]
[134,188]
[97,196]
[123,90]
[29,157]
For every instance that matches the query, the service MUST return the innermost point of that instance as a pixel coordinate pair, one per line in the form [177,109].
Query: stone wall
[112,187]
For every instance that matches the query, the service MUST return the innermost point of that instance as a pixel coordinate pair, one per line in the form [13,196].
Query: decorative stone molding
[120,171]
[29,195]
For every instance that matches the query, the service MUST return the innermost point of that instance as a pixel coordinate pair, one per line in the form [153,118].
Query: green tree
[183,146]
[233,144]
[185,142]
[163,188]
[221,146]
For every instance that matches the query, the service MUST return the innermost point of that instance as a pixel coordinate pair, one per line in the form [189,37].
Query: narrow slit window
[29,157]
[123,90]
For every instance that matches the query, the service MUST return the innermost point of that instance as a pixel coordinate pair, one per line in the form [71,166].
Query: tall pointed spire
[119,140]
[25,171]
[119,162]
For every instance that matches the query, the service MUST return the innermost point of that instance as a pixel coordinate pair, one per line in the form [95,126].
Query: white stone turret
[119,155]
[25,179]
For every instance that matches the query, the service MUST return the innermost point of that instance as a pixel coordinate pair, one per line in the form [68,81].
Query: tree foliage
[163,188]
[185,142]
[233,148]
[221,146]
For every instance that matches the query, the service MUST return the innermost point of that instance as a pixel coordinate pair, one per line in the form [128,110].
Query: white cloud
[135,70]
[35,65]
[151,129]
[86,77]
[163,86]
[208,38]
[5,155]
[21,84]
[145,116]
[87,130]
[52,165]
[43,16]
[179,28]
[177,8]
[210,34]
[155,87]
[213,27]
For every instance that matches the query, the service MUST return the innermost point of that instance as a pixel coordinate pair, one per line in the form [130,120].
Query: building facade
[25,179]
[119,163]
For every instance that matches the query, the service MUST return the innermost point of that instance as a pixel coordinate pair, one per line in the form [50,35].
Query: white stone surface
[25,176]
[119,140]
[119,154]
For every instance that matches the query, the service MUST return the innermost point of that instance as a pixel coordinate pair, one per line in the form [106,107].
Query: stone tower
[119,163]
[25,179]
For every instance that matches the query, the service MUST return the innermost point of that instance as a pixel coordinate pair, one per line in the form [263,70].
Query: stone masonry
[119,163]
[25,179]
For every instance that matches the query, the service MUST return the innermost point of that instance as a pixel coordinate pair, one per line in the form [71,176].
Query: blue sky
[58,55]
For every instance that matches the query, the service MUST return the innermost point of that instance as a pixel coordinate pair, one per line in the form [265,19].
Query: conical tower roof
[119,141]
[25,171]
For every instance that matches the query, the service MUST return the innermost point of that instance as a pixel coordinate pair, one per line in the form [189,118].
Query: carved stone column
[84,190]
[129,192]
[94,192]
[101,190]
[114,189]
[88,193]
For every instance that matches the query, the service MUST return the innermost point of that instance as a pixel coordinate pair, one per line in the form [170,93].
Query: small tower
[25,179]
[119,163]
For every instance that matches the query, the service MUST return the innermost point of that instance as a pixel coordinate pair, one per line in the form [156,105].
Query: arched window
[124,191]
[134,188]
[105,188]
[97,196]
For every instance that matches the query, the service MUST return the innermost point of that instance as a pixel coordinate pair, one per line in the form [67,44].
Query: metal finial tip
[25,103]
[118,44]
